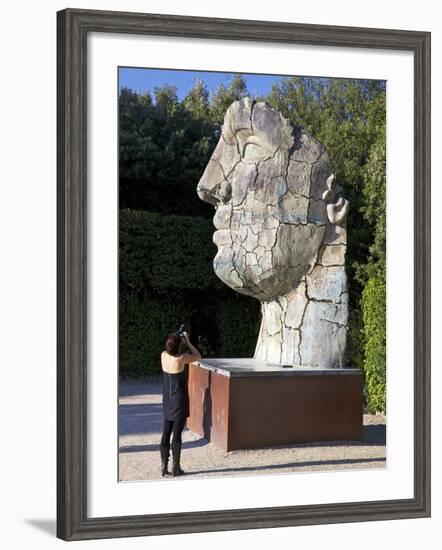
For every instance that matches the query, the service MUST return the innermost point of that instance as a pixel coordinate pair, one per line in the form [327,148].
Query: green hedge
[226,327]
[166,277]
[165,252]
[374,364]
[144,324]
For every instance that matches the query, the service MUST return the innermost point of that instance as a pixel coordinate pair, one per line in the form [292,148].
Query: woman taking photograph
[175,398]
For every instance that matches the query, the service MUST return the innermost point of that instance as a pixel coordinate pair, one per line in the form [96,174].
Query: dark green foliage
[163,146]
[145,321]
[238,320]
[355,338]
[373,313]
[374,209]
[167,277]
[222,324]
[224,96]
[197,102]
[162,252]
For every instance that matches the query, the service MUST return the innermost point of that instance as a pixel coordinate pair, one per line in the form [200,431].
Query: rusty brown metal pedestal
[245,403]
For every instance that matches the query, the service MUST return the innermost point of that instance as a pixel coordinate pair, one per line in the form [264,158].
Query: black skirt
[175,396]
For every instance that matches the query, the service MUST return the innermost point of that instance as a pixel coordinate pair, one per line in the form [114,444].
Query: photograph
[251,274]
[243,273]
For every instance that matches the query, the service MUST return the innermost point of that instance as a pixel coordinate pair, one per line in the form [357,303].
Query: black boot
[164,451]
[176,454]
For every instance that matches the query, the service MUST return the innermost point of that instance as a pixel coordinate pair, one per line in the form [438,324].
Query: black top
[175,396]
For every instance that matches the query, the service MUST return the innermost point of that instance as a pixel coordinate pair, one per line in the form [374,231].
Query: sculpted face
[272,187]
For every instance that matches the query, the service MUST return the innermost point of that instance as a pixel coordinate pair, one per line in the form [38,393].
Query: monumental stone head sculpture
[280,232]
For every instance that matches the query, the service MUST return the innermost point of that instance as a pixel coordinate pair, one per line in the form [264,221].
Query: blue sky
[144,80]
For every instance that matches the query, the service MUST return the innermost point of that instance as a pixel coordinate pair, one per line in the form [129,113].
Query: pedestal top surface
[245,367]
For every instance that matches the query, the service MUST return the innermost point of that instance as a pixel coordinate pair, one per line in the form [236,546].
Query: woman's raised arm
[194,354]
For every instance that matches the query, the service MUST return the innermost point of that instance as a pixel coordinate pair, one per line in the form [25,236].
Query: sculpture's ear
[337,211]
[328,193]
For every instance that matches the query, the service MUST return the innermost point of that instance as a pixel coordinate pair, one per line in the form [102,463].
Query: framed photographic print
[243,274]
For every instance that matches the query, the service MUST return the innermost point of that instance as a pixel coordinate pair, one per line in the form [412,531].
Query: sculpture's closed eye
[252,151]
[252,148]
[252,140]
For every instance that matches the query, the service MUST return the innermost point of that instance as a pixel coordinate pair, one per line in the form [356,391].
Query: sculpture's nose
[205,193]
[213,186]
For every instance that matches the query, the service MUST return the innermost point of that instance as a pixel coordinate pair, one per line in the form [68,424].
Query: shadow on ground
[139,419]
[135,388]
[293,465]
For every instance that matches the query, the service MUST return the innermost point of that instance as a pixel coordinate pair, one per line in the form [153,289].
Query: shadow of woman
[207,410]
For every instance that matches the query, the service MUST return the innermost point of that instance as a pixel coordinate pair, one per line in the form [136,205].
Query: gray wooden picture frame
[73,27]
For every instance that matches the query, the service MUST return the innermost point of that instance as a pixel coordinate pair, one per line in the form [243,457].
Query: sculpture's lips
[222,237]
[221,219]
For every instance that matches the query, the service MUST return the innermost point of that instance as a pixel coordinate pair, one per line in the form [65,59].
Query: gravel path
[140,425]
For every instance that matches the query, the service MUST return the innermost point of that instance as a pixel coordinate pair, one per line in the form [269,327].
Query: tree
[136,130]
[197,102]
[374,365]
[224,96]
[164,147]
[374,209]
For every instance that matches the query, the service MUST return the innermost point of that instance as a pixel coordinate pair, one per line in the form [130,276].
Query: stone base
[245,403]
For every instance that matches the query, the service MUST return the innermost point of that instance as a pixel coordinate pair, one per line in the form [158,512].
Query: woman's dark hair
[172,344]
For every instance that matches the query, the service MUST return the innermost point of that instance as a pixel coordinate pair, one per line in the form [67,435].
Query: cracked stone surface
[280,233]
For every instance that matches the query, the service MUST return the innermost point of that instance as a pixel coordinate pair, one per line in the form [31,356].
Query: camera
[181,330]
